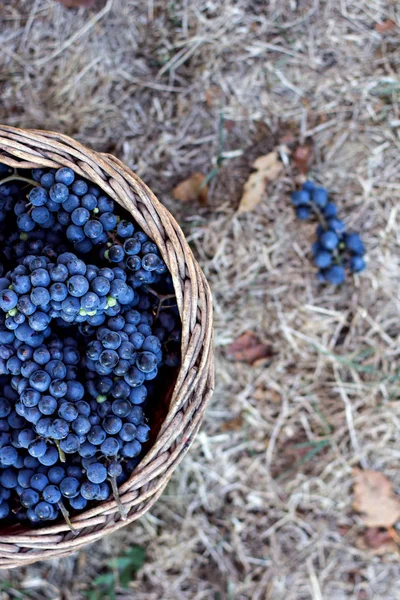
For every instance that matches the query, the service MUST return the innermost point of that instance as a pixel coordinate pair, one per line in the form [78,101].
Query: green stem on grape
[65,514]
[16,177]
[117,499]
[60,451]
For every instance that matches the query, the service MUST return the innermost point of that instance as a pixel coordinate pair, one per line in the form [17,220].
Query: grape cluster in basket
[335,248]
[88,329]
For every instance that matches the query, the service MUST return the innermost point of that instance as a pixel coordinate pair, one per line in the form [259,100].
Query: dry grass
[249,514]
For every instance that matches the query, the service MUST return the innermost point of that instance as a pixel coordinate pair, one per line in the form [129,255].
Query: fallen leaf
[248,348]
[377,541]
[267,396]
[192,189]
[267,168]
[385,26]
[375,537]
[288,138]
[76,3]
[229,124]
[374,499]
[302,157]
[234,424]
[212,95]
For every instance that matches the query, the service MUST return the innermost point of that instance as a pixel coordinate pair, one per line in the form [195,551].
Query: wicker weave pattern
[195,382]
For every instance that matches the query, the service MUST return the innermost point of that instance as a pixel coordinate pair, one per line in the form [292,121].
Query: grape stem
[65,514]
[117,499]
[162,298]
[323,222]
[15,177]
[60,451]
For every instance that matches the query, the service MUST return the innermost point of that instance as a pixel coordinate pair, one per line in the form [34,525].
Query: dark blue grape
[58,429]
[71,203]
[29,498]
[143,433]
[93,229]
[146,361]
[77,285]
[51,494]
[24,477]
[357,264]
[68,412]
[108,220]
[319,196]
[131,449]
[300,197]
[70,444]
[138,394]
[78,503]
[25,222]
[114,469]
[56,474]
[87,450]
[112,425]
[335,274]
[89,490]
[125,229]
[39,481]
[65,175]
[323,259]
[96,473]
[8,300]
[59,193]
[303,213]
[50,457]
[96,435]
[37,448]
[116,254]
[105,204]
[40,381]
[79,187]
[40,215]
[330,210]
[354,244]
[329,240]
[75,233]
[69,487]
[80,216]
[8,455]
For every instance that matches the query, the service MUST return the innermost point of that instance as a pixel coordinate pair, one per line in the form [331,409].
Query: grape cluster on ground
[88,325]
[335,248]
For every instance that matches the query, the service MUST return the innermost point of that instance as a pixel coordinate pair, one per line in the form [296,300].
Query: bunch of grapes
[335,248]
[88,326]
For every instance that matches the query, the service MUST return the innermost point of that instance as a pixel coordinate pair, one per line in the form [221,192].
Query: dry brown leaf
[234,424]
[377,541]
[76,3]
[302,157]
[267,168]
[262,395]
[212,95]
[248,348]
[375,537]
[385,26]
[192,189]
[374,499]
[229,124]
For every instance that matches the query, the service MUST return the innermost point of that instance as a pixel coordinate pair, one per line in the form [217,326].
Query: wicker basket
[195,380]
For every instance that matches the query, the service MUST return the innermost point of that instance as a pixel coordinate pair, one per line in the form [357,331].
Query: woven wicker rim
[195,382]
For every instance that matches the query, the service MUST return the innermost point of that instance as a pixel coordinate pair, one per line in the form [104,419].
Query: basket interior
[155,413]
